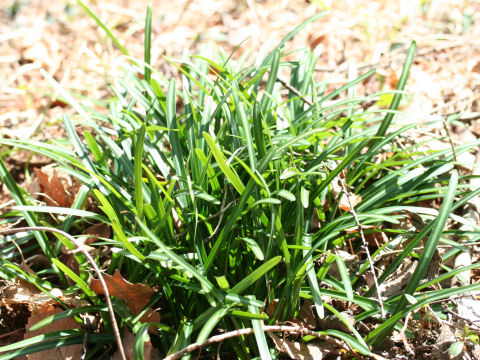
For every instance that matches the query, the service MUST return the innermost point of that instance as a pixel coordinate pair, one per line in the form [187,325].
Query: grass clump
[224,196]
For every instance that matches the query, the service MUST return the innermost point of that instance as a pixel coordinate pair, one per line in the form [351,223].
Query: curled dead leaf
[60,353]
[298,350]
[55,193]
[135,296]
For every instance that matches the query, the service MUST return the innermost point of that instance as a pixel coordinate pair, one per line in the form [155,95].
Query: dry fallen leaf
[297,350]
[70,352]
[344,203]
[53,189]
[100,230]
[307,315]
[135,296]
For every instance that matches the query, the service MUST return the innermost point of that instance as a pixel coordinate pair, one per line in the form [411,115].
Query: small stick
[364,245]
[89,258]
[295,91]
[249,331]
[445,126]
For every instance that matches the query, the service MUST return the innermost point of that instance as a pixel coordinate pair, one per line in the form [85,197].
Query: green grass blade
[210,324]
[30,217]
[148,43]
[255,275]
[342,269]
[222,163]
[259,334]
[312,276]
[137,166]
[41,338]
[104,27]
[354,343]
[116,225]
[206,284]
[81,284]
[66,314]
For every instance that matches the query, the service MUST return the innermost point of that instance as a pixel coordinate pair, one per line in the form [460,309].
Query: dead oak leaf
[297,350]
[53,189]
[60,353]
[135,296]
[100,230]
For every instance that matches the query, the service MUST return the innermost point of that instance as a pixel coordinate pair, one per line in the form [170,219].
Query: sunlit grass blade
[206,284]
[148,43]
[104,27]
[260,336]
[137,165]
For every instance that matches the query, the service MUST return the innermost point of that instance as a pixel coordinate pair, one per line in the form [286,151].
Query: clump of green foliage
[212,191]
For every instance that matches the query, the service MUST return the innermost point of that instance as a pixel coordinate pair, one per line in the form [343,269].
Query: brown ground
[58,37]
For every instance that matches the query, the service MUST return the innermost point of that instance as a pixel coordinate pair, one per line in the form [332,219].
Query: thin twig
[295,91]
[89,258]
[403,336]
[364,245]
[222,211]
[445,126]
[471,323]
[249,331]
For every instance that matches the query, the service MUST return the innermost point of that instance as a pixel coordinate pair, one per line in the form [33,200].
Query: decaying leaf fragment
[297,350]
[55,193]
[60,353]
[135,296]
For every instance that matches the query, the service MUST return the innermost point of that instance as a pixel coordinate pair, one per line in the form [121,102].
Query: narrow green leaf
[312,276]
[260,334]
[222,163]
[81,284]
[66,314]
[206,284]
[253,245]
[398,96]
[148,43]
[342,269]
[382,331]
[117,228]
[255,275]
[104,27]
[210,324]
[137,166]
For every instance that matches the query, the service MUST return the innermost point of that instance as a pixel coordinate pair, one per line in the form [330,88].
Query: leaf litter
[444,78]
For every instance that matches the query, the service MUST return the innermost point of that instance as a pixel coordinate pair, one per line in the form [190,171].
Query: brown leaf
[53,189]
[344,204]
[100,230]
[135,296]
[297,350]
[476,67]
[60,353]
[307,316]
[314,40]
[272,306]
